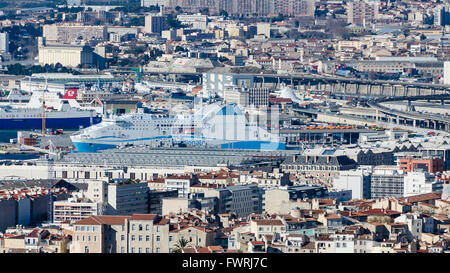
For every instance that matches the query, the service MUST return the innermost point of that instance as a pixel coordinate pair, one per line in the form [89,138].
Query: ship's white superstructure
[215,124]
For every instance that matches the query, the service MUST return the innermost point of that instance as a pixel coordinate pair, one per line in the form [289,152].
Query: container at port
[29,141]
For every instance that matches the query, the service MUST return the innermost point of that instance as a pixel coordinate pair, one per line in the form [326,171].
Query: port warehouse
[146,163]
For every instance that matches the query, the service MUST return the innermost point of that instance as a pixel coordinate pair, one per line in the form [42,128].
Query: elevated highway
[416,119]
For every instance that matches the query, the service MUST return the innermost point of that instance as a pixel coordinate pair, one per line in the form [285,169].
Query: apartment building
[431,165]
[420,182]
[240,199]
[181,183]
[126,198]
[356,181]
[138,233]
[117,234]
[361,12]
[258,97]
[271,227]
[75,209]
[155,24]
[325,166]
[68,33]
[4,42]
[386,183]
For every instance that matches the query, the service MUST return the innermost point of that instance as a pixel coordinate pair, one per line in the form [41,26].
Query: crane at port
[50,186]
[43,107]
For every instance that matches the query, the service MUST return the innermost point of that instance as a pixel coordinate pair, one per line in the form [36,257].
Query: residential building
[356,181]
[420,182]
[74,209]
[324,166]
[362,12]
[4,42]
[386,183]
[155,24]
[70,33]
[430,165]
[127,197]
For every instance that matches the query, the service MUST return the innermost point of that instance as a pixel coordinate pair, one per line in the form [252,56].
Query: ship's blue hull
[51,123]
[85,147]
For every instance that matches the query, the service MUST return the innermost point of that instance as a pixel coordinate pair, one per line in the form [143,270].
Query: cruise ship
[60,113]
[214,125]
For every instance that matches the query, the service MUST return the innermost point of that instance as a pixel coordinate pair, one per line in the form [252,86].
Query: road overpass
[415,119]
[307,81]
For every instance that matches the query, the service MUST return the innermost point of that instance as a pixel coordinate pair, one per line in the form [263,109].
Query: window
[140,227]
[122,237]
[95,238]
[132,250]
[170,238]
[140,238]
[158,250]
[140,250]
[157,228]
[133,237]
[89,238]
[122,249]
[147,227]
[133,227]
[147,250]
[147,238]
[158,238]
[86,249]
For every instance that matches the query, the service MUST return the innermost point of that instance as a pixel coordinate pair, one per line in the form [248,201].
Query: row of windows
[87,228]
[139,250]
[147,238]
[89,238]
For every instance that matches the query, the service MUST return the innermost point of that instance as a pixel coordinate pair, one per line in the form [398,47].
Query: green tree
[223,13]
[179,49]
[172,22]
[180,245]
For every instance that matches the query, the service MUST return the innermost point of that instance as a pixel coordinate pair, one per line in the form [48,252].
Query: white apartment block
[73,210]
[148,3]
[361,12]
[4,42]
[180,183]
[446,72]
[419,182]
[68,33]
[197,21]
[356,181]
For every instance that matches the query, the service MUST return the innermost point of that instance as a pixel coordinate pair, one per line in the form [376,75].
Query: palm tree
[180,245]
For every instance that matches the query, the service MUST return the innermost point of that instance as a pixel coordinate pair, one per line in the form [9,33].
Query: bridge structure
[341,86]
[413,118]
